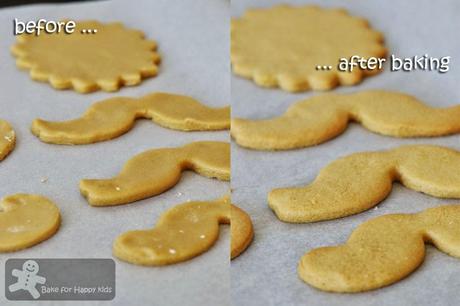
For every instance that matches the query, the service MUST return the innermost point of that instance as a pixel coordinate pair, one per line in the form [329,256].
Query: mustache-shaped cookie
[185,231]
[7,139]
[155,171]
[360,181]
[113,117]
[318,119]
[382,250]
[26,220]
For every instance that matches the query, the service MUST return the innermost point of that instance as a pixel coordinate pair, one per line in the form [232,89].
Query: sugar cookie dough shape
[113,117]
[282,46]
[382,251]
[113,57]
[357,182]
[26,220]
[7,139]
[315,120]
[185,231]
[155,171]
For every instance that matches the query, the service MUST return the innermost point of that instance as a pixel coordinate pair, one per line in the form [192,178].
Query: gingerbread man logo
[27,278]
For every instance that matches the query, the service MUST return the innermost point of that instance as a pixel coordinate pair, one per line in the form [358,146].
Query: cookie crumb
[9,136]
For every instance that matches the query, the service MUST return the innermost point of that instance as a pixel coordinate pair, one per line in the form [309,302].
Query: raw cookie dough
[26,220]
[185,231]
[357,182]
[7,139]
[382,250]
[155,171]
[112,57]
[318,119]
[283,45]
[113,117]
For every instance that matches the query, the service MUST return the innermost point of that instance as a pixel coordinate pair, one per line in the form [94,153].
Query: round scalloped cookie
[115,56]
[282,46]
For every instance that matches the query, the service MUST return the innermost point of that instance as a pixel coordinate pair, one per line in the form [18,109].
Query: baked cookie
[283,45]
[113,117]
[185,231]
[155,171]
[242,231]
[357,182]
[115,56]
[26,220]
[7,139]
[315,120]
[382,250]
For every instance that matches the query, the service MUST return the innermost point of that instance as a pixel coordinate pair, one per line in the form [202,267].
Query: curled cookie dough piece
[318,119]
[7,139]
[185,231]
[357,182]
[113,117]
[382,250]
[115,56]
[155,171]
[26,220]
[282,47]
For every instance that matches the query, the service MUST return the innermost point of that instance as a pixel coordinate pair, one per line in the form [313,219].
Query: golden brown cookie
[7,139]
[242,231]
[115,56]
[183,232]
[382,250]
[26,220]
[155,171]
[318,119]
[357,182]
[113,117]
[283,45]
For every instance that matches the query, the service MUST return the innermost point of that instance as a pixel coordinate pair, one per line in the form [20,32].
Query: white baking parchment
[192,36]
[266,274]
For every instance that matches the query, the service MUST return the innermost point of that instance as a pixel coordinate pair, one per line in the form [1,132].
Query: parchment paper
[193,41]
[267,273]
